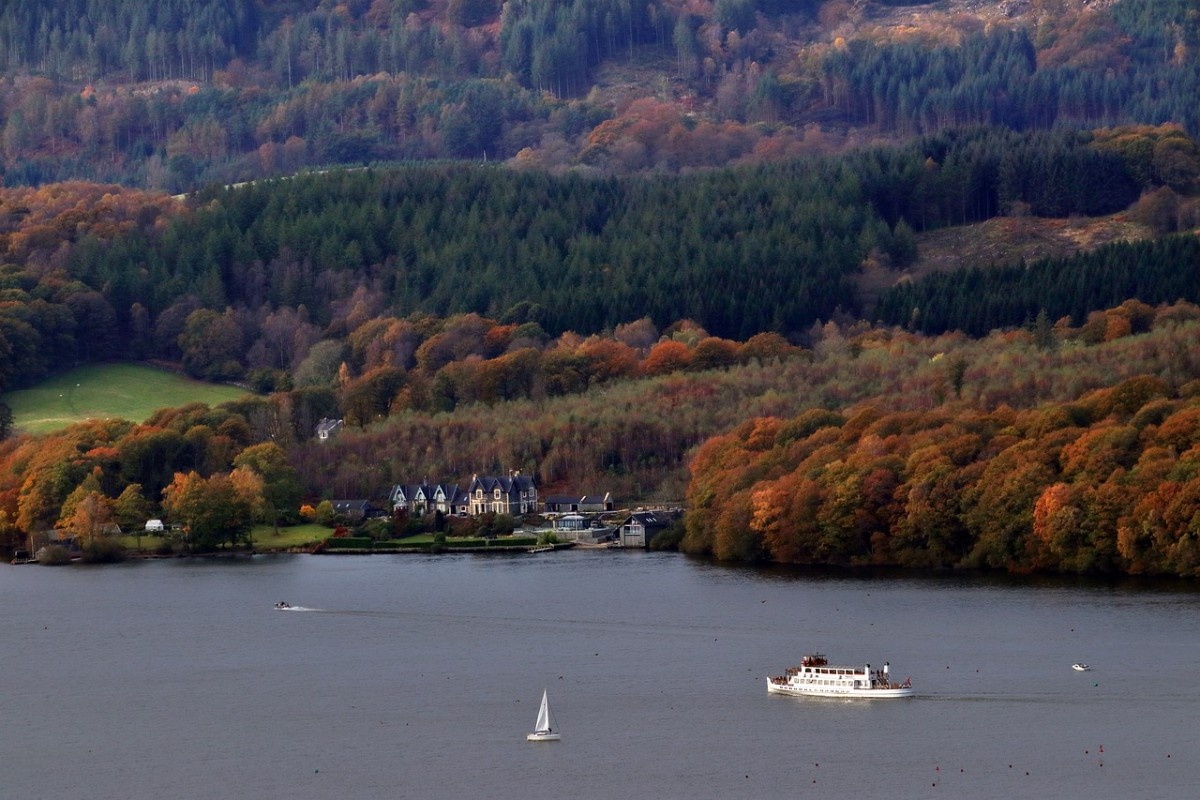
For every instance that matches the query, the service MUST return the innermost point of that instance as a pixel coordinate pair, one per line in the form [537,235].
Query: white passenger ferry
[814,677]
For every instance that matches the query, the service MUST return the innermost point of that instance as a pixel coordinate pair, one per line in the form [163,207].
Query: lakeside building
[355,510]
[514,495]
[642,526]
[424,498]
[570,503]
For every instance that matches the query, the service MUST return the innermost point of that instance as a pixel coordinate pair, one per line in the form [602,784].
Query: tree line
[1105,484]
[267,283]
[977,299]
[636,435]
[89,40]
[200,465]
[1010,78]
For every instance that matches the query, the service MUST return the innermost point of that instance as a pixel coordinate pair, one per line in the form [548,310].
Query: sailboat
[545,729]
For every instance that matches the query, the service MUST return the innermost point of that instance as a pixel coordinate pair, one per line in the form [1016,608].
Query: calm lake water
[418,677]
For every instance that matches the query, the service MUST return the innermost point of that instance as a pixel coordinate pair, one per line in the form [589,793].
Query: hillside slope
[999,241]
[202,92]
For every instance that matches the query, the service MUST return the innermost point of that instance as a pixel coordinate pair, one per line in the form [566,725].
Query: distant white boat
[1080,667]
[545,729]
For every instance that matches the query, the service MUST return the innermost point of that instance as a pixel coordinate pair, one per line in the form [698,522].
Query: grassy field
[264,536]
[128,391]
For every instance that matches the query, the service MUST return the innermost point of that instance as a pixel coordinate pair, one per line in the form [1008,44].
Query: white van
[155,526]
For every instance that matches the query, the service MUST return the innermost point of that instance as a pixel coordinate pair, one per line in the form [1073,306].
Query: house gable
[423,498]
[572,503]
[514,495]
[640,528]
[353,509]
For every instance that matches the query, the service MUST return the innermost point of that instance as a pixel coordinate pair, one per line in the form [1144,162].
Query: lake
[419,676]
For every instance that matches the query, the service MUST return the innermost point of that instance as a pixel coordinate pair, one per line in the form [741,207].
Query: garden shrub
[103,551]
[53,555]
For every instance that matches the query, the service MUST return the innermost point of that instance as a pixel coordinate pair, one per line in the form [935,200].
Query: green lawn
[265,538]
[98,391]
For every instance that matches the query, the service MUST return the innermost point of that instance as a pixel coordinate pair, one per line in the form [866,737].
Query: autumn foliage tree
[214,511]
[1103,484]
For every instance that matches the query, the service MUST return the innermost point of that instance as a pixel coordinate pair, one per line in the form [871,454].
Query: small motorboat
[1080,667]
[283,604]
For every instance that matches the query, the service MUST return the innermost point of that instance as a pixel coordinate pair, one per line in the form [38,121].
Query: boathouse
[641,527]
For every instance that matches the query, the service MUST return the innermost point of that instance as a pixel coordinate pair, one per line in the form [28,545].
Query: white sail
[544,730]
[543,718]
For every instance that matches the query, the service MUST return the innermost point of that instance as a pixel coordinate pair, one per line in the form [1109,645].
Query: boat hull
[833,691]
[543,737]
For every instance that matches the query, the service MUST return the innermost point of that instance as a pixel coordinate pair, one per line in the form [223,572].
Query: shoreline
[316,549]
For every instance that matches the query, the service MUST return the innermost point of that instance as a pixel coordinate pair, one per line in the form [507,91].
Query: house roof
[327,425]
[575,498]
[409,491]
[509,485]
[648,519]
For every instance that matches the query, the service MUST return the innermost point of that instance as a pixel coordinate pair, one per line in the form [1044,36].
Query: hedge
[366,543]
[349,543]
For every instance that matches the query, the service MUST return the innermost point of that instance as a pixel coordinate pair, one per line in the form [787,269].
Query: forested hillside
[176,94]
[890,406]
[978,300]
[268,283]
[619,245]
